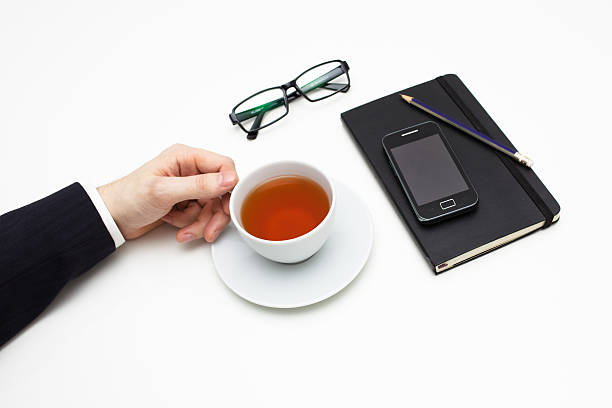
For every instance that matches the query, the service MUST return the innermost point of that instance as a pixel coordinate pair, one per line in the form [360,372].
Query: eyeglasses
[267,107]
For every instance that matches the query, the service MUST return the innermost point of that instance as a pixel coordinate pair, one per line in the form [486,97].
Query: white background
[90,90]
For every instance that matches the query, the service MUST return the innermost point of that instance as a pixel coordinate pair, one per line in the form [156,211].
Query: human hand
[183,186]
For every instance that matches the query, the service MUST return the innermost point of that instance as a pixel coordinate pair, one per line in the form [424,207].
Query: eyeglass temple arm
[320,82]
[257,121]
[252,133]
[323,80]
[332,87]
[263,108]
[336,87]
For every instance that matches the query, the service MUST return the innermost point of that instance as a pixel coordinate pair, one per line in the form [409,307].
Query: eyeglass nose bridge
[288,85]
[296,90]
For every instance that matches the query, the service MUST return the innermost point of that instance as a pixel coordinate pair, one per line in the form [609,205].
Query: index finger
[203,160]
[210,162]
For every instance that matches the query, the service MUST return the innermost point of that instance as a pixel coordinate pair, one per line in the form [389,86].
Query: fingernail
[228,179]
[212,236]
[187,237]
[167,218]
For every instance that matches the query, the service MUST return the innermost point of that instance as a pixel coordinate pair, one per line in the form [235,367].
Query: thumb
[199,187]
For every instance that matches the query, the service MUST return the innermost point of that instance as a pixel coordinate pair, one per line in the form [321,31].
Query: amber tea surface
[284,207]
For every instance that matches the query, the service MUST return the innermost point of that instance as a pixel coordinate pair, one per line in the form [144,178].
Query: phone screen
[428,169]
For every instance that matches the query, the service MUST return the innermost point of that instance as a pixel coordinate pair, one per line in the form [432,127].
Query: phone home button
[445,205]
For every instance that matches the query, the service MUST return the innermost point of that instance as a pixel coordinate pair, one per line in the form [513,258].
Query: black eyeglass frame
[289,97]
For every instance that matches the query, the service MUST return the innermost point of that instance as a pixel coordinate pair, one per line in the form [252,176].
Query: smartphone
[429,172]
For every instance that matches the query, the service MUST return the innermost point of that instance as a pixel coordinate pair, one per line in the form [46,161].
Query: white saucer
[272,284]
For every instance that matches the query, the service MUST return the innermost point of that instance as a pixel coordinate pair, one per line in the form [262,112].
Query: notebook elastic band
[508,162]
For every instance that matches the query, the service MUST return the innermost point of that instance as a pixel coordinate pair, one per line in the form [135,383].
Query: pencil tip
[407,98]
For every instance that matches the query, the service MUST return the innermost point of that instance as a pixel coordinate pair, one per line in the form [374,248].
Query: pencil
[521,158]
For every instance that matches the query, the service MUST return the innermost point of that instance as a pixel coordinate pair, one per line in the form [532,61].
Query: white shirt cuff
[106,216]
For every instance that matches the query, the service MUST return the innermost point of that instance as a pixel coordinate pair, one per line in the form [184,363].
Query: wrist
[109,194]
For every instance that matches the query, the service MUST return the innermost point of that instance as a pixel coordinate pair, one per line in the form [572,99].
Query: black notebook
[513,202]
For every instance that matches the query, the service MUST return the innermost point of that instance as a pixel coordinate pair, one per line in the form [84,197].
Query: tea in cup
[284,210]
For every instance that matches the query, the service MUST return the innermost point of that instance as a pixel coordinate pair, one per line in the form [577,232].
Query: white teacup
[290,250]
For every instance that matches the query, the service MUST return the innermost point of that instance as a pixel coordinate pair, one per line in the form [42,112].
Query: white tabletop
[89,91]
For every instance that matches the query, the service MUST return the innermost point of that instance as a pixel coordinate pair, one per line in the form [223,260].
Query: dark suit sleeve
[43,246]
